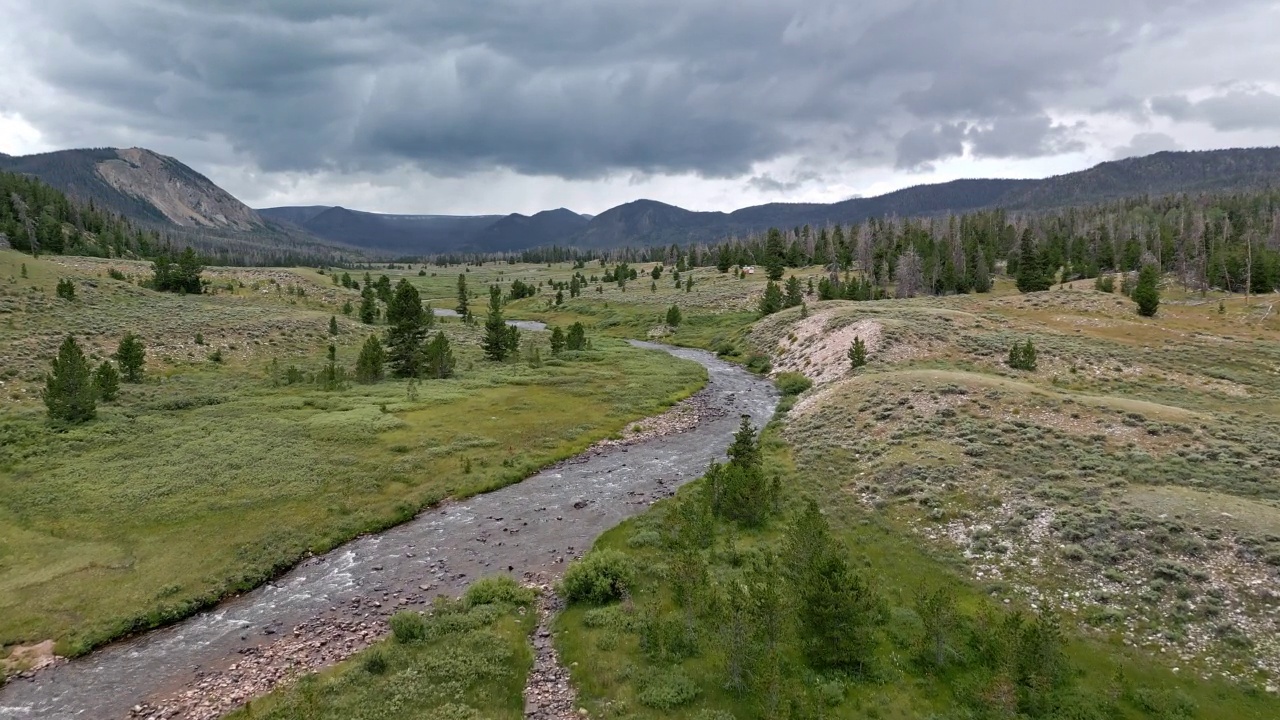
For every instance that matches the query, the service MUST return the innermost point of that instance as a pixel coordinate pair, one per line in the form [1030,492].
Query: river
[531,526]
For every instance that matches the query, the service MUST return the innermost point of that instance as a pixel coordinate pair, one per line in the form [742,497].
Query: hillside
[160,192]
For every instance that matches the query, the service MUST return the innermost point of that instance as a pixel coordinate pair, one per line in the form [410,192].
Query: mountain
[396,234]
[517,232]
[648,222]
[424,234]
[161,193]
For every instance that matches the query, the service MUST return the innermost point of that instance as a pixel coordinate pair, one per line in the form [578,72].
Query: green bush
[759,363]
[600,577]
[375,662]
[792,383]
[408,626]
[667,689]
[497,589]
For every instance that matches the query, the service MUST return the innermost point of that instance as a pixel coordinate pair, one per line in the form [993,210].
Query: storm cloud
[578,90]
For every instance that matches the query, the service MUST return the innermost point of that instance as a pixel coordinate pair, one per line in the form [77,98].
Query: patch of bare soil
[822,352]
[27,660]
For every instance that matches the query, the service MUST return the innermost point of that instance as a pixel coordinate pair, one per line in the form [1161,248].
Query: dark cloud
[580,89]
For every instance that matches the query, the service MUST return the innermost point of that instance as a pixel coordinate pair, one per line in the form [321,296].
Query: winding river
[531,526]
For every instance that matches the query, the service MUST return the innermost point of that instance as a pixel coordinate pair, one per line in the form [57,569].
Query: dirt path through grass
[533,526]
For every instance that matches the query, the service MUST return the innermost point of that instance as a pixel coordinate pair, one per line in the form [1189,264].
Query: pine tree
[1031,275]
[106,381]
[771,301]
[66,289]
[333,324]
[577,338]
[673,316]
[794,294]
[69,392]
[774,255]
[839,614]
[496,341]
[368,306]
[464,303]
[348,308]
[407,325]
[688,284]
[857,353]
[132,355]
[1022,356]
[557,340]
[740,489]
[438,359]
[369,364]
[1147,293]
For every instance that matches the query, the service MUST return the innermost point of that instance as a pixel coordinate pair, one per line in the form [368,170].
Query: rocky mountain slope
[160,192]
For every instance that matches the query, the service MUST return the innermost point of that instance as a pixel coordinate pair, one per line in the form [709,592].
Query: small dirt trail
[525,529]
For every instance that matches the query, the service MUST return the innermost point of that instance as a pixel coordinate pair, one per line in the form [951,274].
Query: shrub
[793,383]
[375,662]
[497,589]
[759,363]
[1105,283]
[408,626]
[600,577]
[667,689]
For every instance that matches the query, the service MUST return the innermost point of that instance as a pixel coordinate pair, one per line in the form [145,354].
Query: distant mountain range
[153,188]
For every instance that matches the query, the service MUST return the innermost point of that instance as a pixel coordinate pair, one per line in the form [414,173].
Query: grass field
[1130,483]
[224,462]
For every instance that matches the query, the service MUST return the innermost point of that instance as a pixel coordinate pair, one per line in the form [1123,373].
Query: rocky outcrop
[181,194]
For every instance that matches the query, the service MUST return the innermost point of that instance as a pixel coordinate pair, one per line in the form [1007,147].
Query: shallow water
[526,527]
[533,325]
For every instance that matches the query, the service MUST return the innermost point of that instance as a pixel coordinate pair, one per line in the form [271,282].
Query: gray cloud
[587,90]
[1145,144]
[1234,109]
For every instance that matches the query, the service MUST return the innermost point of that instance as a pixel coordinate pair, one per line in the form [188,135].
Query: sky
[497,106]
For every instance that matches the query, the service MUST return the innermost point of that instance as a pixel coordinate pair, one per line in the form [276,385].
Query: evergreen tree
[1022,356]
[66,289]
[577,338]
[496,341]
[774,255]
[368,306]
[1147,293]
[438,359]
[557,340]
[132,355]
[106,381]
[673,316]
[795,294]
[1031,275]
[333,324]
[464,302]
[407,324]
[857,353]
[348,308]
[739,489]
[839,614]
[369,364]
[688,284]
[771,301]
[69,392]
[332,376]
